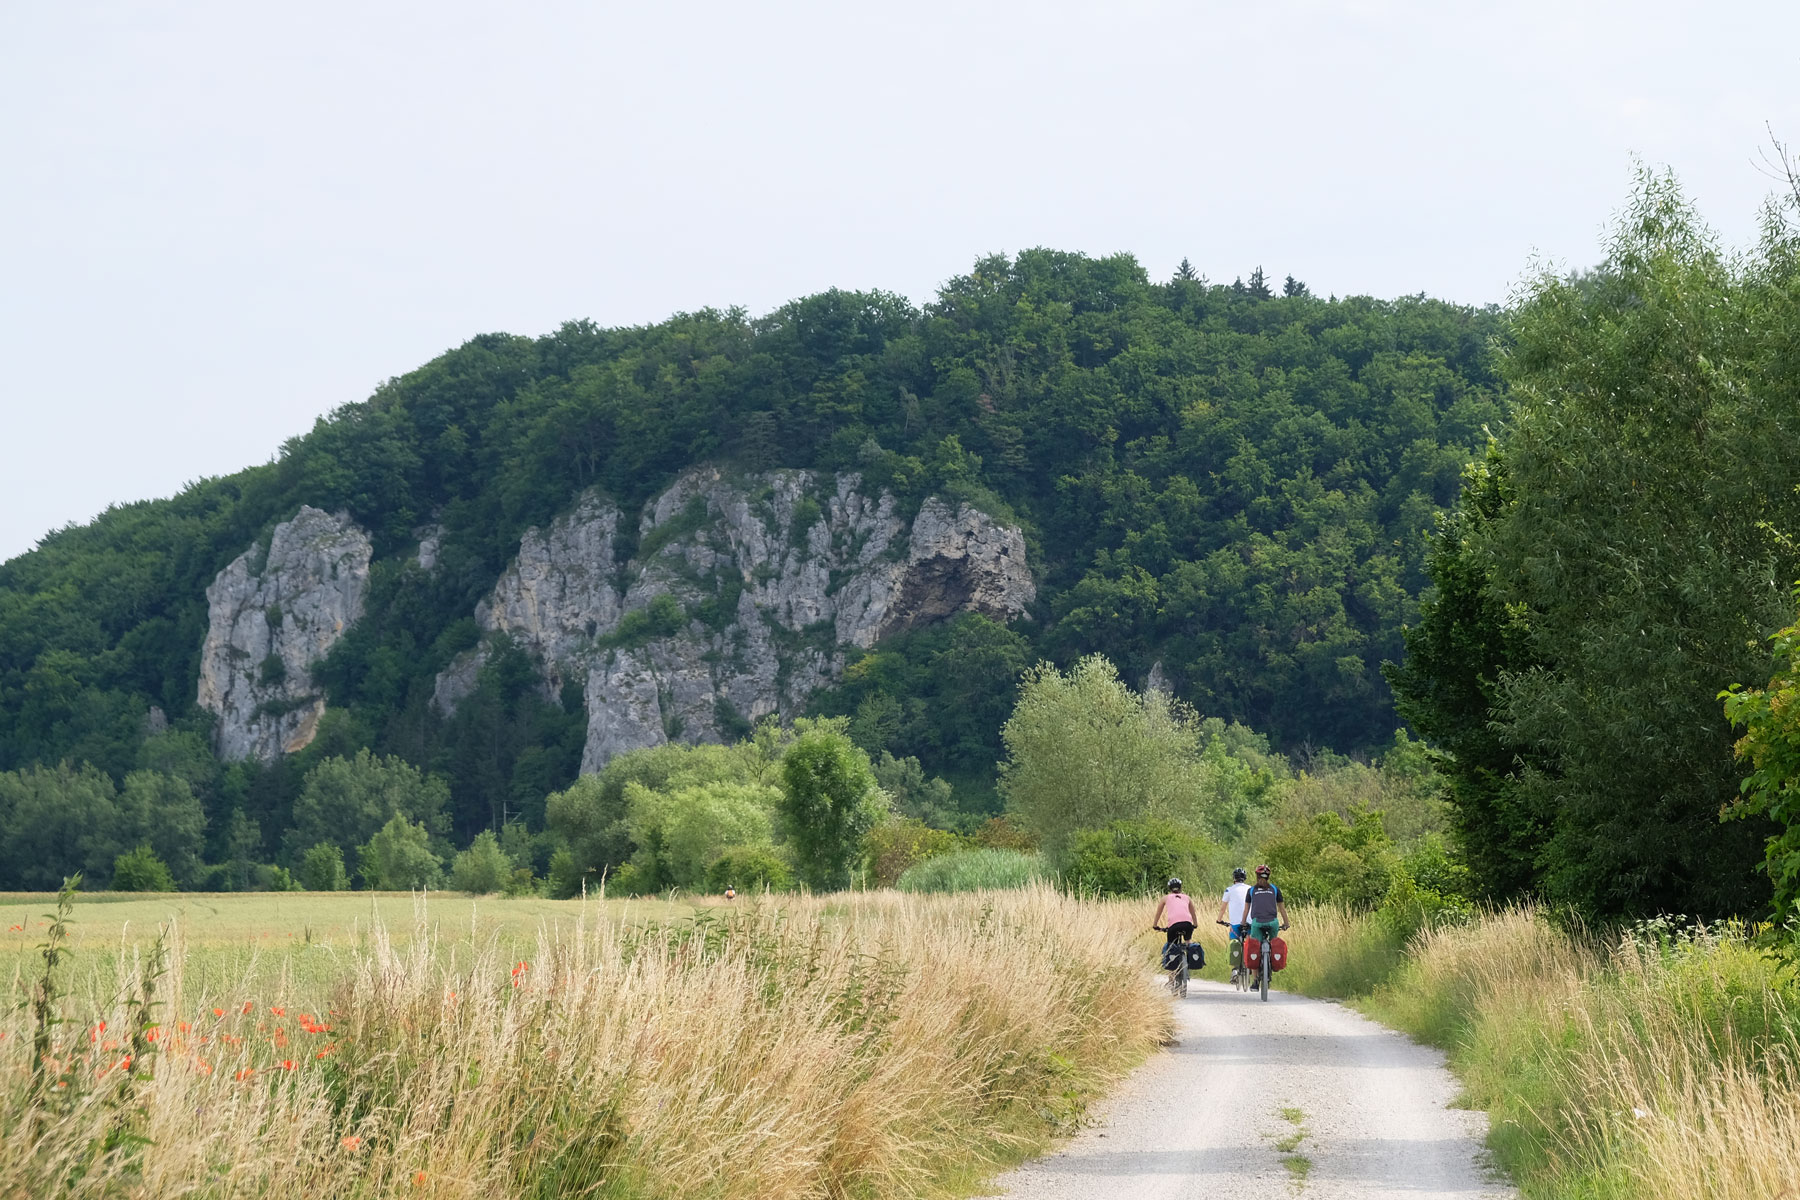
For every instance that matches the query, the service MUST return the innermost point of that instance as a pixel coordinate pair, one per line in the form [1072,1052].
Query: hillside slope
[1223,484]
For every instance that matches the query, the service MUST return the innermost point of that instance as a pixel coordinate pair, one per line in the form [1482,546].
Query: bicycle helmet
[1262,872]
[1237,874]
[1174,885]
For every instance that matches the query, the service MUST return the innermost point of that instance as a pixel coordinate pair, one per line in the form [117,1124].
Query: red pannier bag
[1253,950]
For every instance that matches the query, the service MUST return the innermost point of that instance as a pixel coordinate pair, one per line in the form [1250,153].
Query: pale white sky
[220,220]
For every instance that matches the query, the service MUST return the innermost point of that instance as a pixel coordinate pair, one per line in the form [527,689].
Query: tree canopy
[1230,484]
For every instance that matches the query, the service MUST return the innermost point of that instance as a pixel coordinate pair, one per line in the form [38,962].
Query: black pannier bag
[1196,956]
[1171,956]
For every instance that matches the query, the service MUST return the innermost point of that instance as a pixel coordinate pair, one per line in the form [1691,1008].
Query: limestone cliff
[741,598]
[271,617]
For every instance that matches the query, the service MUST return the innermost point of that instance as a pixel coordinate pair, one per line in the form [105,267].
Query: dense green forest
[1617,560]
[1559,533]
[1234,481]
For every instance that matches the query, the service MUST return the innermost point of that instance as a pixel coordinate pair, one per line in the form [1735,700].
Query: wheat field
[873,1044]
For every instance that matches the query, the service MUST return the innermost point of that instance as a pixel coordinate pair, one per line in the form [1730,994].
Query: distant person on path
[1175,911]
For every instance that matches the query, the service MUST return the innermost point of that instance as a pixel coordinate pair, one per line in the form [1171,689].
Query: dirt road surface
[1293,1097]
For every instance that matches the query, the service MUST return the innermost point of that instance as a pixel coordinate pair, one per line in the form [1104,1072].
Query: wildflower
[16,929]
[247,1007]
[287,1064]
[419,1179]
[218,1012]
[202,1066]
[245,1073]
[326,1050]
[352,1143]
[280,1012]
[151,1035]
[184,1027]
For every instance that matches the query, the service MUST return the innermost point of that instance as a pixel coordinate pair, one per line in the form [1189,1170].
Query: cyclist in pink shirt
[1175,912]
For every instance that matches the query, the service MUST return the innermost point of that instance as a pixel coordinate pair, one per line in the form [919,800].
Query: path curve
[1202,1117]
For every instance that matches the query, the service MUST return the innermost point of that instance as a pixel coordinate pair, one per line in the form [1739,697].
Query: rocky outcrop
[272,615]
[740,601]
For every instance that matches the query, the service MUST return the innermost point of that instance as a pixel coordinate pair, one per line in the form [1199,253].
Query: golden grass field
[872,1044]
[1655,1064]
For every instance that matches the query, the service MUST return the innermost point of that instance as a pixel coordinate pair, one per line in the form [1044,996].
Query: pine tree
[1293,287]
[1259,287]
[1185,273]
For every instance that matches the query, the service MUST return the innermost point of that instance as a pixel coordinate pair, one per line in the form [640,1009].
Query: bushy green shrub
[399,857]
[483,868]
[322,869]
[999,833]
[896,846]
[1132,858]
[679,833]
[973,870]
[1328,860]
[140,870]
[1431,887]
[749,869]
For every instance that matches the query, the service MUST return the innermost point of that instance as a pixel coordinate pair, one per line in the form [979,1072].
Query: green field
[282,947]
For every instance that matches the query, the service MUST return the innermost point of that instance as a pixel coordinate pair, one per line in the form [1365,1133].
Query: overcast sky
[221,220]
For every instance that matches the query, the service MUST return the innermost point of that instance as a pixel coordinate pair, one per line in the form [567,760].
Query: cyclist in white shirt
[1231,910]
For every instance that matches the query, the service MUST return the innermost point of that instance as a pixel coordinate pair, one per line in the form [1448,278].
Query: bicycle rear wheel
[1264,977]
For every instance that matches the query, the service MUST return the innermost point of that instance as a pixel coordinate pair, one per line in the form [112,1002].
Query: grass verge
[846,1046]
[1660,1062]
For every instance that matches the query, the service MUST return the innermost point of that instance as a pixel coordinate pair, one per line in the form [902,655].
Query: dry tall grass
[868,1045]
[1660,1063]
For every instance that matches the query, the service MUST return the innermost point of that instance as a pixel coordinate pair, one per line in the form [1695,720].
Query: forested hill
[1234,481]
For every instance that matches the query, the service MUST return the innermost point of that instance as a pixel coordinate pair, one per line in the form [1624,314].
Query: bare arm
[1281,911]
[1157,919]
[1221,915]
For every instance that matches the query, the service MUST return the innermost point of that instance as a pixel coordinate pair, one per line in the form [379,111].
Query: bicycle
[1263,969]
[1178,974]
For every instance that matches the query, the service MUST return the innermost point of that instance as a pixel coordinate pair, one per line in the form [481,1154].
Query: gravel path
[1367,1114]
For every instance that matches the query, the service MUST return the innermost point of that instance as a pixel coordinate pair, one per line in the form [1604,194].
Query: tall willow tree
[1631,566]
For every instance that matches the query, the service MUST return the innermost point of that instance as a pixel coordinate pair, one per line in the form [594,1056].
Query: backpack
[1261,903]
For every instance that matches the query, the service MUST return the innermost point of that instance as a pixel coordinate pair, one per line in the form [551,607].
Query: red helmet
[1262,872]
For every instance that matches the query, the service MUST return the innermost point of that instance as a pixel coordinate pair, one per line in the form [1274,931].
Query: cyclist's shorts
[1236,932]
[1262,931]
[1180,931]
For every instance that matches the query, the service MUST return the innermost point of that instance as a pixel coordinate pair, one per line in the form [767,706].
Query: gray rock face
[269,622]
[740,601]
